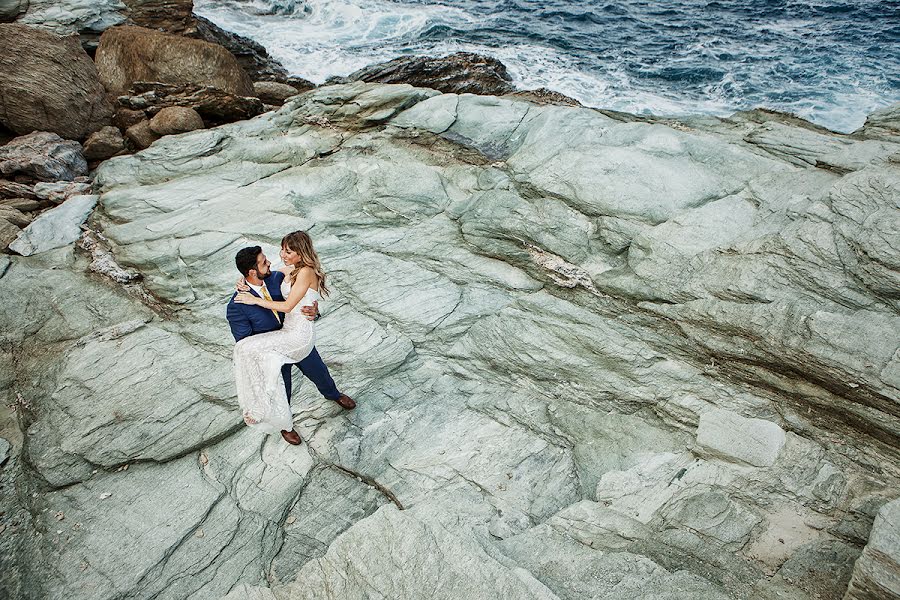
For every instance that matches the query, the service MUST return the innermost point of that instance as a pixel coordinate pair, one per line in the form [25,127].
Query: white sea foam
[318,39]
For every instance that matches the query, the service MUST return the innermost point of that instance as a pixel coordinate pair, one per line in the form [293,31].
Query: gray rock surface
[594,357]
[10,9]
[58,192]
[876,574]
[65,17]
[48,83]
[57,227]
[42,156]
[728,435]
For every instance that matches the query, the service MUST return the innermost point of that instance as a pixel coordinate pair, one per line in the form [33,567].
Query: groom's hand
[311,312]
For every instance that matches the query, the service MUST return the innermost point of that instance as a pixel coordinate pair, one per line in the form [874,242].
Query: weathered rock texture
[65,17]
[48,83]
[876,575]
[42,156]
[214,105]
[460,73]
[128,54]
[593,358]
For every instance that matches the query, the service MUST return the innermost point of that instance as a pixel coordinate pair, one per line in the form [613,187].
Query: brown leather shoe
[291,437]
[346,402]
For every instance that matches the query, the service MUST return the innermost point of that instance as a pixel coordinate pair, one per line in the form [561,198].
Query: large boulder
[128,54]
[42,156]
[49,83]
[460,73]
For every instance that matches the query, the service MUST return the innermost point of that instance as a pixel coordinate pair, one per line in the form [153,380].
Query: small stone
[105,495]
[104,144]
[176,119]
[199,533]
[141,135]
[272,92]
[291,520]
[60,516]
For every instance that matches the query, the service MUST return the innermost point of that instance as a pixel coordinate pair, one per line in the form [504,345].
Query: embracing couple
[272,318]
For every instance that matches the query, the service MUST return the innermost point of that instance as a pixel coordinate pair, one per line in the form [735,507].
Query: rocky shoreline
[596,355]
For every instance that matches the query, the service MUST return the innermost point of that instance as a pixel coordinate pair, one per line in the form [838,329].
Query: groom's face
[263,266]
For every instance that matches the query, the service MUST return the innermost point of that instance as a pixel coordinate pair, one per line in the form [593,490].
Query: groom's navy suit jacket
[249,319]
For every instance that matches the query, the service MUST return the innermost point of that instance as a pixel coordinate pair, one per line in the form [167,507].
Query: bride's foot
[291,437]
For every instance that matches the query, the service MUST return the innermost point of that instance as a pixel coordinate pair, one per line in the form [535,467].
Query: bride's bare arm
[305,279]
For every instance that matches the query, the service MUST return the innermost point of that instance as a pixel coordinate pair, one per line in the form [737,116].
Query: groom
[249,319]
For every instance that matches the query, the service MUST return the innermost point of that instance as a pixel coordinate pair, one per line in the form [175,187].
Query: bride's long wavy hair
[301,243]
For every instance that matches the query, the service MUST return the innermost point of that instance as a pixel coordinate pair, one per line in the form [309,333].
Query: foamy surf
[671,58]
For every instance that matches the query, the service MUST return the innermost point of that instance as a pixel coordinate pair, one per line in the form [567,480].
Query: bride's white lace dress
[257,366]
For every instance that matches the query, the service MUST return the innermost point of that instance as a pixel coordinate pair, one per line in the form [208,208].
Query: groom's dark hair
[246,259]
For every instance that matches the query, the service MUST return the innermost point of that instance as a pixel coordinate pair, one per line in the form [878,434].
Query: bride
[258,358]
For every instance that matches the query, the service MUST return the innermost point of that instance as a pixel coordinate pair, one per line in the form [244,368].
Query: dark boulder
[460,73]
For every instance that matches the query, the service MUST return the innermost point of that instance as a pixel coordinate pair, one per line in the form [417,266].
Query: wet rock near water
[251,55]
[594,355]
[460,73]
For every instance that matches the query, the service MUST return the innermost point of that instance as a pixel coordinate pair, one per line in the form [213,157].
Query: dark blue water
[831,62]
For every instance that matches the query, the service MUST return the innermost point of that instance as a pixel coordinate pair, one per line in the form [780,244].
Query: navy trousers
[315,370]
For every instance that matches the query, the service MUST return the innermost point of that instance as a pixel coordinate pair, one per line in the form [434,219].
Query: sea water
[832,62]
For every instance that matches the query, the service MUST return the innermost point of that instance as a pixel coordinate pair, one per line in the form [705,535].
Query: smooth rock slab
[55,228]
[727,435]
